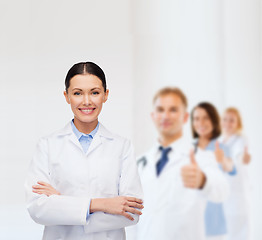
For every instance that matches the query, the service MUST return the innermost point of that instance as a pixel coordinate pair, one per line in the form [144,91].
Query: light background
[210,49]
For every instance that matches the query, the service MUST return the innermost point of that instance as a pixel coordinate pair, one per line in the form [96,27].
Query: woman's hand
[117,205]
[44,188]
[219,153]
[226,163]
[246,156]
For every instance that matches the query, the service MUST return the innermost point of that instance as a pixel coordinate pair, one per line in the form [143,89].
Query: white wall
[178,43]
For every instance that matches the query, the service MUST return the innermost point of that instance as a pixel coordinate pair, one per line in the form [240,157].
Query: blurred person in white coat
[83,181]
[237,207]
[176,184]
[206,129]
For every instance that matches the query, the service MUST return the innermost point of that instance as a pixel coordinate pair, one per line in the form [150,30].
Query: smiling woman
[83,181]
[205,123]
[86,100]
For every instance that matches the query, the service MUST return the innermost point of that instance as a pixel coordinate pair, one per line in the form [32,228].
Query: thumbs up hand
[219,153]
[246,156]
[226,163]
[192,175]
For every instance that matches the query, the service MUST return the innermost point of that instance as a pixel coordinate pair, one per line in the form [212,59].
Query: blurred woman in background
[205,123]
[237,206]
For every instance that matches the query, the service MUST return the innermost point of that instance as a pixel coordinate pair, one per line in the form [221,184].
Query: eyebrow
[90,89]
[77,89]
[96,88]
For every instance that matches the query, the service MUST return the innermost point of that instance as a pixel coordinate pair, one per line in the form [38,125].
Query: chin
[168,132]
[86,120]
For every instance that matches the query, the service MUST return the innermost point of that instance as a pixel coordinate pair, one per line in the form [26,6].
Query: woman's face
[202,123]
[86,96]
[229,123]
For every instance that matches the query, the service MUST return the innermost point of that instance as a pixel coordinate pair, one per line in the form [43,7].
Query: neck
[227,136]
[166,140]
[85,128]
[203,142]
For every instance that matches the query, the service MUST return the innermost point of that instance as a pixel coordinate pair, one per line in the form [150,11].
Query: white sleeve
[216,188]
[56,209]
[238,147]
[129,185]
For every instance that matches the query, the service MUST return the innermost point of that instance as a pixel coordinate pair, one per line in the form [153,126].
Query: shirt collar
[211,145]
[181,145]
[80,134]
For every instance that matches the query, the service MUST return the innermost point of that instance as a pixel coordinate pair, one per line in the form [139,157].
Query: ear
[186,116]
[152,115]
[106,95]
[66,97]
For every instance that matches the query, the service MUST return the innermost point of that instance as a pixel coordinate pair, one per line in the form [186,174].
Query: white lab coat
[237,207]
[108,169]
[171,210]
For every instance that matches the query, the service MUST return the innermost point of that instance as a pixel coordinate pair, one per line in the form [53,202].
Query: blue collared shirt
[84,139]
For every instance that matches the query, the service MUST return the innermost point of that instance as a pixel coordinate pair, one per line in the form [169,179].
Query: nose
[166,115]
[86,100]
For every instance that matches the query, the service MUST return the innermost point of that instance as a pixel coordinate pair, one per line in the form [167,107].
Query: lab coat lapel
[75,141]
[101,135]
[67,130]
[96,142]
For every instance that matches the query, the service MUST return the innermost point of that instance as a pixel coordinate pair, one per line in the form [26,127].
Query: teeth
[87,110]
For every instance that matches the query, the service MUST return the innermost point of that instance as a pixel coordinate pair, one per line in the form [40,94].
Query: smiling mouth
[86,110]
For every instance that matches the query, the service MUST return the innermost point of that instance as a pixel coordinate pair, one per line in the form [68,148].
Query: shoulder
[240,139]
[104,132]
[206,158]
[67,129]
[142,161]
[146,157]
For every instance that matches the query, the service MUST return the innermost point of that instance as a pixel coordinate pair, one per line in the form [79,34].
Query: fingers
[188,169]
[217,145]
[246,156]
[44,188]
[125,214]
[192,176]
[133,199]
[133,210]
[38,187]
[190,184]
[44,184]
[42,191]
[192,157]
[135,205]
[246,150]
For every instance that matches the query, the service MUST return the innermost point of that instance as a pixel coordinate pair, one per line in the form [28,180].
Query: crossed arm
[120,205]
[47,206]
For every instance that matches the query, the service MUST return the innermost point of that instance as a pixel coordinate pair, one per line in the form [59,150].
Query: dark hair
[85,68]
[214,118]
